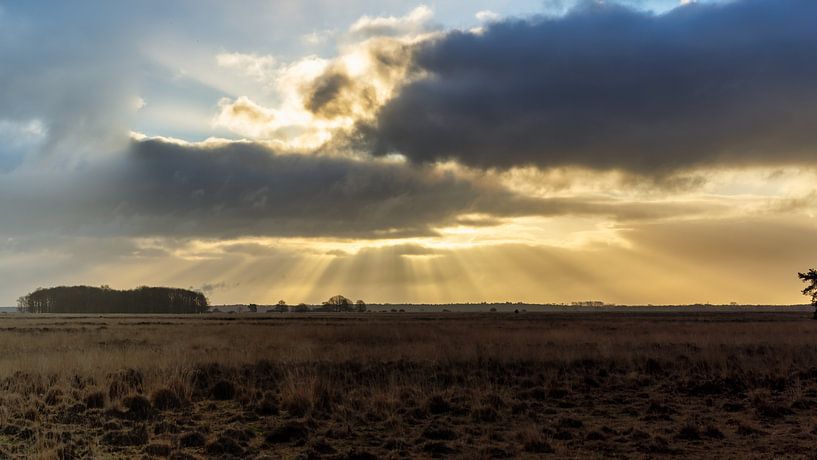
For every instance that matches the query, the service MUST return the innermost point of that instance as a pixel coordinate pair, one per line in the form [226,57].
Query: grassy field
[409,385]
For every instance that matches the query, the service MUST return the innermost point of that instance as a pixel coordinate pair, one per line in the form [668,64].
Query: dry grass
[408,385]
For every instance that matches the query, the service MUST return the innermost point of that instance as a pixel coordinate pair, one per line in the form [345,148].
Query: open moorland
[634,384]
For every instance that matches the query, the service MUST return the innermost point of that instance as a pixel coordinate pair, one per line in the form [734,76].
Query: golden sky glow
[495,151]
[741,221]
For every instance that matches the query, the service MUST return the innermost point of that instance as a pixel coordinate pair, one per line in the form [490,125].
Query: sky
[633,152]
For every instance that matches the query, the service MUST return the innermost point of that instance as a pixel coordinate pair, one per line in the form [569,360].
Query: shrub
[288,432]
[223,390]
[224,445]
[266,406]
[437,404]
[94,400]
[138,407]
[165,399]
[192,439]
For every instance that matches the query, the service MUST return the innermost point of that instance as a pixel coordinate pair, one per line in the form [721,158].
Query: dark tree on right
[810,277]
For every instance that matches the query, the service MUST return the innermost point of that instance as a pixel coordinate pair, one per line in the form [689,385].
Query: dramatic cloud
[609,87]
[321,98]
[232,189]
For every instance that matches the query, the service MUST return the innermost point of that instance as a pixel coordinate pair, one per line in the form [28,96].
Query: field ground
[630,384]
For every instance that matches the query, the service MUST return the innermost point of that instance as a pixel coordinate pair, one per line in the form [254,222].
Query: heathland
[397,385]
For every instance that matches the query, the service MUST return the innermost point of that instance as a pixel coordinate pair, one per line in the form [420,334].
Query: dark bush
[95,400]
[538,447]
[223,390]
[266,406]
[192,439]
[437,404]
[224,445]
[288,432]
[138,407]
[439,433]
[165,399]
[689,432]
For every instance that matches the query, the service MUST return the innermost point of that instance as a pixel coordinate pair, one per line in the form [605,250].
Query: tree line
[87,299]
[335,304]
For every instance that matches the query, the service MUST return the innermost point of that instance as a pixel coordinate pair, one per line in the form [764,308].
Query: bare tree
[810,277]
[23,304]
[338,303]
[360,306]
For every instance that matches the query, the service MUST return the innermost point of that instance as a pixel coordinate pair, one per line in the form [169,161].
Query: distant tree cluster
[588,303]
[335,304]
[86,299]
[340,303]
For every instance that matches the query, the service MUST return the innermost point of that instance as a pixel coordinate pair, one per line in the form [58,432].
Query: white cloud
[19,140]
[416,22]
[289,126]
[318,37]
[139,103]
[487,16]
[317,97]
[17,133]
[258,67]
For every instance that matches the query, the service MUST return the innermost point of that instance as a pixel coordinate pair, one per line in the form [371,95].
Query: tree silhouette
[86,299]
[300,308]
[810,290]
[338,303]
[281,307]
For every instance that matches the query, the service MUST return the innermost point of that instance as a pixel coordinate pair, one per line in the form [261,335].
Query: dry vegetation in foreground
[396,386]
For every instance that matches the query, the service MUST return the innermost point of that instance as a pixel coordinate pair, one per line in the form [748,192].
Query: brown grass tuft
[165,399]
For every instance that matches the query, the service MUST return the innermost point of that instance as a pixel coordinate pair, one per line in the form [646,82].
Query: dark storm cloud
[609,87]
[238,189]
[244,189]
